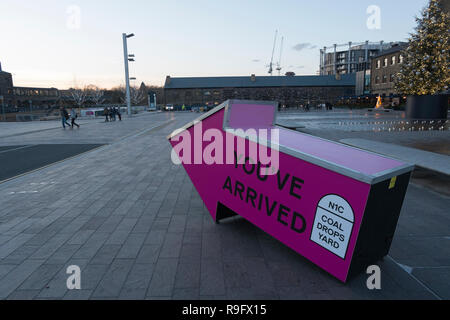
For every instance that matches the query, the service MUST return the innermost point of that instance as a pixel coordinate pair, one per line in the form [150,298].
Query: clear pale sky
[42,43]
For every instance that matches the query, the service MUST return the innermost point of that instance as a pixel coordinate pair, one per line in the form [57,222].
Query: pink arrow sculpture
[336,205]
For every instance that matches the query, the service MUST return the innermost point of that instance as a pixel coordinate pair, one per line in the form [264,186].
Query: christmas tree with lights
[426,65]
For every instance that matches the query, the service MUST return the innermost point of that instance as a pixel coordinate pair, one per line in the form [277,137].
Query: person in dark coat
[73,116]
[112,114]
[64,116]
[119,114]
[106,114]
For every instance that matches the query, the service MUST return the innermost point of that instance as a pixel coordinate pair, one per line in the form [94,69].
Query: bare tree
[78,96]
[136,95]
[96,95]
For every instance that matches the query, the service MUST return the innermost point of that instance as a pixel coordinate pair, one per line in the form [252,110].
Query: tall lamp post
[127,76]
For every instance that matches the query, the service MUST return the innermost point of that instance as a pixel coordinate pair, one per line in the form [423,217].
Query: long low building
[13,99]
[290,91]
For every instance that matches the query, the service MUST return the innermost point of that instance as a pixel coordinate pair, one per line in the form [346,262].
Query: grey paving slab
[40,277]
[132,246]
[51,246]
[80,237]
[212,277]
[137,282]
[17,276]
[63,254]
[5,269]
[111,284]
[190,252]
[106,254]
[20,254]
[91,246]
[78,295]
[188,275]
[163,278]
[23,295]
[171,246]
[185,294]
[437,279]
[7,248]
[92,274]
[149,253]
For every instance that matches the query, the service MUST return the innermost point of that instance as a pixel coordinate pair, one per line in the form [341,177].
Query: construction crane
[279,61]
[273,51]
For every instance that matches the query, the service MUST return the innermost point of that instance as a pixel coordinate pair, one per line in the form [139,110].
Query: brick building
[290,91]
[384,69]
[350,58]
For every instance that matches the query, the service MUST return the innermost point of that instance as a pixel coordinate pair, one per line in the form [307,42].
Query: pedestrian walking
[73,116]
[64,116]
[113,114]
[118,113]
[106,114]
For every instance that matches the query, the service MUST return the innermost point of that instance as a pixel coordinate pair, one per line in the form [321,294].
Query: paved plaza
[137,228]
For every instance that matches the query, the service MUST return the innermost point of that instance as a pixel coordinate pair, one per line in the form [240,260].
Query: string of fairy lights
[395,125]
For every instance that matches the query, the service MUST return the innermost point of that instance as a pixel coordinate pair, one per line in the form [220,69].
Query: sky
[74,43]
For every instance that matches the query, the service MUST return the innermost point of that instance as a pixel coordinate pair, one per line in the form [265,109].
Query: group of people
[111,113]
[65,116]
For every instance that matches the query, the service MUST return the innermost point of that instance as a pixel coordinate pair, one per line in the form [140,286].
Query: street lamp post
[127,76]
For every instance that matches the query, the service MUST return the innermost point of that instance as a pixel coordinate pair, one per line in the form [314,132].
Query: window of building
[385,62]
[384,79]
[378,64]
[377,79]
[392,60]
[400,59]
[392,78]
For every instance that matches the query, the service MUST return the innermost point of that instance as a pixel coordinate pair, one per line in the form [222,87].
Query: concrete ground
[137,228]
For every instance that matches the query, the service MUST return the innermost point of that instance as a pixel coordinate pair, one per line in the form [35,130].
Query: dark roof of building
[258,82]
[392,50]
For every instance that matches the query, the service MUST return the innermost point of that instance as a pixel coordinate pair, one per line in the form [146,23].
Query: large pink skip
[336,205]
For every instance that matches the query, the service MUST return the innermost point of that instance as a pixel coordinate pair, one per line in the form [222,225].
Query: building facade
[17,99]
[384,69]
[350,58]
[6,84]
[289,91]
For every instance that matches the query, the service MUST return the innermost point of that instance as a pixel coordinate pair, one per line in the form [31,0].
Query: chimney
[253,78]
[168,80]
